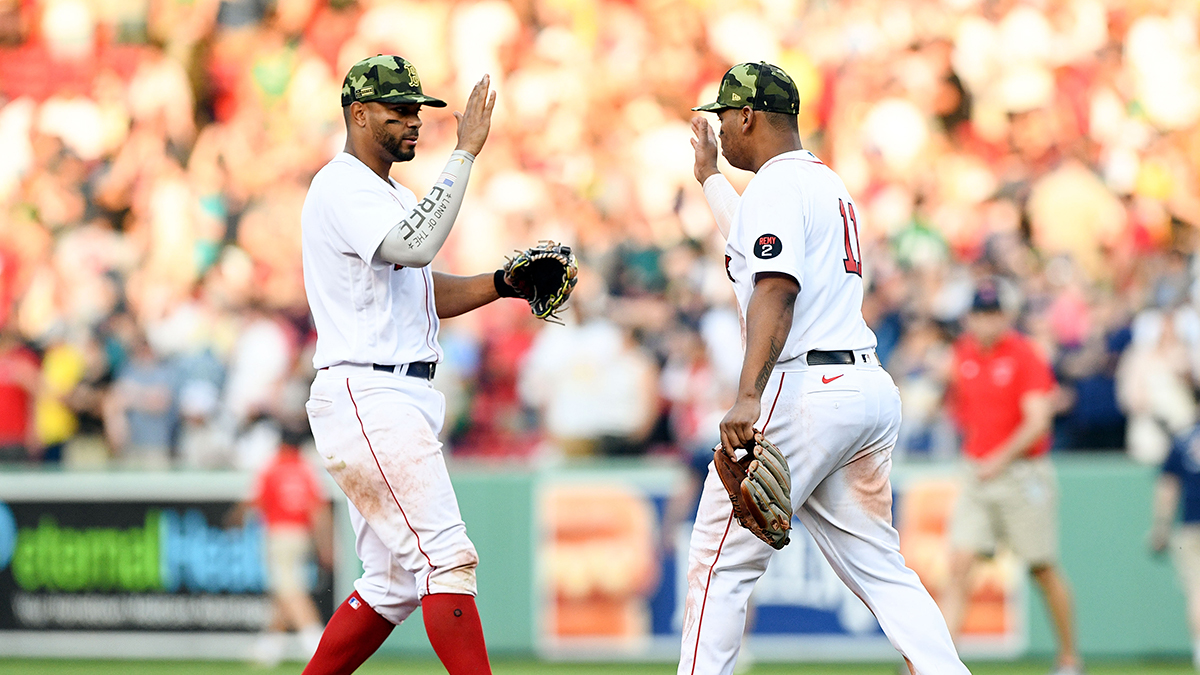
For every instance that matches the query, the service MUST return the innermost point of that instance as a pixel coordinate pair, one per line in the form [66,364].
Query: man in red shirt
[295,508]
[20,375]
[1001,394]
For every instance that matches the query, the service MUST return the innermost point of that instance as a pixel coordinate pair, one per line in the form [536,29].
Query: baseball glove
[544,277]
[760,487]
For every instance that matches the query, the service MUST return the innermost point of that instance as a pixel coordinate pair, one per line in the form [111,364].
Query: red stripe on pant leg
[777,391]
[707,584]
[700,621]
[432,567]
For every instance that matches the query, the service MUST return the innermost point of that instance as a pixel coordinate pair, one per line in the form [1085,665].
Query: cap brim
[413,98]
[711,107]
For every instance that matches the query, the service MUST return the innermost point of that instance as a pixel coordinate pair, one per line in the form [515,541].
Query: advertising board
[611,581]
[91,556]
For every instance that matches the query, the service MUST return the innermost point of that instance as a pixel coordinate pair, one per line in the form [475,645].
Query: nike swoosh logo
[827,380]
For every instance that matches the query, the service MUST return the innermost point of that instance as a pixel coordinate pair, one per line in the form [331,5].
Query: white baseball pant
[377,432]
[836,425]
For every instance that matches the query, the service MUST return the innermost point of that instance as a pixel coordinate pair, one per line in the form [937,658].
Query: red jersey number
[853,253]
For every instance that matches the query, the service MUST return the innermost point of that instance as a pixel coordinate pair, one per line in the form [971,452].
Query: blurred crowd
[154,155]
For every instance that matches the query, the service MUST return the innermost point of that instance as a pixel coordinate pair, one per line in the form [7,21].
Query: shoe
[268,650]
[1068,670]
[310,638]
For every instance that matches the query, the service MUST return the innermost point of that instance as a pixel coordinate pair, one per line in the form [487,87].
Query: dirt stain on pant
[868,479]
[457,576]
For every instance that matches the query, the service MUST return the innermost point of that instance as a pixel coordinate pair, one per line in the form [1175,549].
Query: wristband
[502,287]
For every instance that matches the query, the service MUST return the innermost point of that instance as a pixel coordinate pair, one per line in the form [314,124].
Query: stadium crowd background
[154,155]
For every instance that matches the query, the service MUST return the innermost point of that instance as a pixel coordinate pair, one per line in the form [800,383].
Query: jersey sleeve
[1033,372]
[1173,464]
[258,493]
[954,388]
[361,215]
[772,227]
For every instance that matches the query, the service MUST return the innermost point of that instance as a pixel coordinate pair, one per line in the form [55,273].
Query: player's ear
[747,119]
[356,113]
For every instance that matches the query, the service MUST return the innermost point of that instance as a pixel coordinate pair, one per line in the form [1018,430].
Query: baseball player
[810,381]
[367,246]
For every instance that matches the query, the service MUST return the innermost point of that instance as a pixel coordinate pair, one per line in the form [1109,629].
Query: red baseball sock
[353,634]
[452,623]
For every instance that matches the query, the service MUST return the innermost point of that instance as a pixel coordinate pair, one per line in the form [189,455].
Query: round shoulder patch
[767,246]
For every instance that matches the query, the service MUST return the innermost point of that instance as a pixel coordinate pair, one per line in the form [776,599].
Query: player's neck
[380,166]
[775,146]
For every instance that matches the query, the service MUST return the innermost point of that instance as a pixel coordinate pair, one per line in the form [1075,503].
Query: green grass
[508,667]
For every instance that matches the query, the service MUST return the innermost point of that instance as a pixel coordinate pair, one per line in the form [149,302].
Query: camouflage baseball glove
[760,487]
[544,277]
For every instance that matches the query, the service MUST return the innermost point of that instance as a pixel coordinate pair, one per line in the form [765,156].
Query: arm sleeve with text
[772,228]
[363,215]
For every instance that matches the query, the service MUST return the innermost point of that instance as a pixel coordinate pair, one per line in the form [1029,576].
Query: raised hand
[475,121]
[705,145]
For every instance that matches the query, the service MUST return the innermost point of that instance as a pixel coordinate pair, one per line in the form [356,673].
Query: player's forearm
[454,295]
[1019,443]
[722,200]
[417,239]
[1036,419]
[768,322]
[1166,501]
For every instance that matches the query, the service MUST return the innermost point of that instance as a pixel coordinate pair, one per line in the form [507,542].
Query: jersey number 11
[853,261]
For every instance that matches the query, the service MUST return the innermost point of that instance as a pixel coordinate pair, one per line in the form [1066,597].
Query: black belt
[421,369]
[838,358]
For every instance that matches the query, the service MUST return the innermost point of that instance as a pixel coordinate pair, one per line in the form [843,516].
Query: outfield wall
[1129,602]
[575,565]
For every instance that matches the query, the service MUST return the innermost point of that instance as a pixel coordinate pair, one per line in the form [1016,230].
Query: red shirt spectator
[987,386]
[19,374]
[288,490]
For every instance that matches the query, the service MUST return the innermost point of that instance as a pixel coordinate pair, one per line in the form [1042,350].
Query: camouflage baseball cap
[761,86]
[387,79]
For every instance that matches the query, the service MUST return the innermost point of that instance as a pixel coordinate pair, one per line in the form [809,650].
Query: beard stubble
[392,144]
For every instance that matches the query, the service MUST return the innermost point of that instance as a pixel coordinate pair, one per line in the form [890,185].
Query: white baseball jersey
[835,423]
[366,310]
[377,431]
[796,217]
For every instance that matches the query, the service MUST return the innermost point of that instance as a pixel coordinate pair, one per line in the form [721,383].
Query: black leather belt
[838,358]
[420,369]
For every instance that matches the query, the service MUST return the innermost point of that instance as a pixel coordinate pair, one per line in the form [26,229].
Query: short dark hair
[783,121]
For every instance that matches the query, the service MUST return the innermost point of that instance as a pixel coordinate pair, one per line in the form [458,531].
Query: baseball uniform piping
[363,428]
[728,524]
[781,376]
[428,316]
[707,584]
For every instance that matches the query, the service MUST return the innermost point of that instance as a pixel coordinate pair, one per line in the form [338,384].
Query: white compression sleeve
[722,200]
[417,238]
